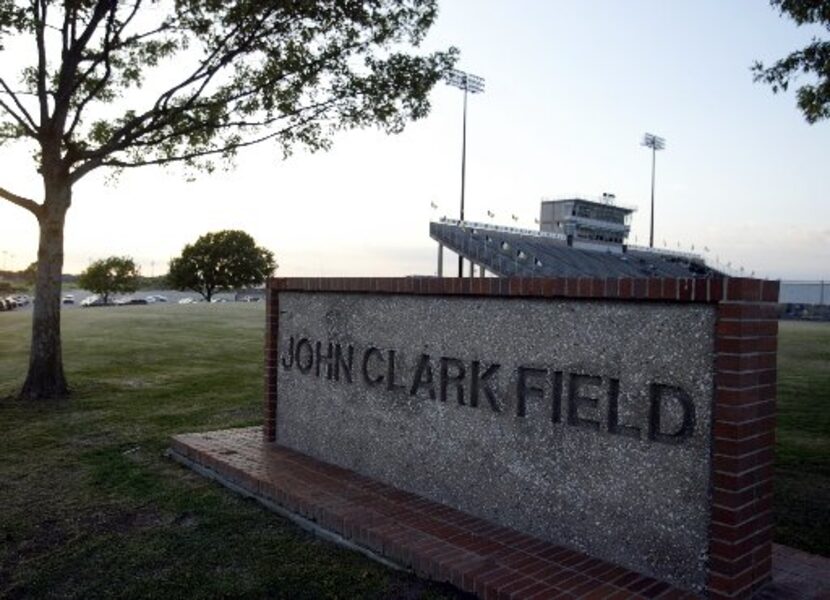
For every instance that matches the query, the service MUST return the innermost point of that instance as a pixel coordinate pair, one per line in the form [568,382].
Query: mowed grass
[90,507]
[802,463]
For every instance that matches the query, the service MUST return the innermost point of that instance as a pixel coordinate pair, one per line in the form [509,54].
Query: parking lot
[171,297]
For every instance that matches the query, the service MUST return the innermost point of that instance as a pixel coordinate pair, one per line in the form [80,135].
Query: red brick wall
[743,426]
[743,429]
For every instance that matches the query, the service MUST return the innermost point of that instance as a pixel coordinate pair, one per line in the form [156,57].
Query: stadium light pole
[656,143]
[472,84]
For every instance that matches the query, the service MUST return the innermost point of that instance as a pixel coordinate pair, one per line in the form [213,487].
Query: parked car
[187,300]
[68,299]
[218,300]
[93,300]
[130,301]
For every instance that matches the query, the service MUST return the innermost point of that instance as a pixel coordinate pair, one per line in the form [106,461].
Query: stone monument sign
[584,419]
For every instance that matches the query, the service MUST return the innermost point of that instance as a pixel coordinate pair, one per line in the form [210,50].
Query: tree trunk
[46,379]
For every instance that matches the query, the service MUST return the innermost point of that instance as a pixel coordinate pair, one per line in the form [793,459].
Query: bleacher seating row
[512,254]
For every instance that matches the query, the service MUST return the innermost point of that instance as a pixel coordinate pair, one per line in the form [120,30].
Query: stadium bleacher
[508,252]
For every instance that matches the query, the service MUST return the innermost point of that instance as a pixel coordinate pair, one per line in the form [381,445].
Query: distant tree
[159,282]
[113,275]
[222,261]
[30,273]
[108,85]
[814,59]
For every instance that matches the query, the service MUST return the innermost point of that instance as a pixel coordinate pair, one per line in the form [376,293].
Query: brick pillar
[743,431]
[269,423]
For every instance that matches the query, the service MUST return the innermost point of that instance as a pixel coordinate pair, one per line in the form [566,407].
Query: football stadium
[577,237]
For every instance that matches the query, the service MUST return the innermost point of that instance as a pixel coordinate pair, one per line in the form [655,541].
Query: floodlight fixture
[465,81]
[470,84]
[655,142]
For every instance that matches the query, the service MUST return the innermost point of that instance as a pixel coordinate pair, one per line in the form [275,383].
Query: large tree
[223,75]
[113,275]
[813,98]
[220,262]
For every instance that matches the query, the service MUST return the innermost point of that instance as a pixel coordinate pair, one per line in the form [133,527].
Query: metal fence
[805,292]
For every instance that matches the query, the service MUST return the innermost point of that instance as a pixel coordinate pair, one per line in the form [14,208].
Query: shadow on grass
[91,508]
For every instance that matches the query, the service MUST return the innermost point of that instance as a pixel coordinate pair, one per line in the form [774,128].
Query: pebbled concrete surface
[624,498]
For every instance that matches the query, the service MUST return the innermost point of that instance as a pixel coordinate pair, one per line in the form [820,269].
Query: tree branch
[316,109]
[105,57]
[40,23]
[182,125]
[202,153]
[98,160]
[209,67]
[29,123]
[69,67]
[174,159]
[65,33]
[96,59]
[102,7]
[131,131]
[204,72]
[30,205]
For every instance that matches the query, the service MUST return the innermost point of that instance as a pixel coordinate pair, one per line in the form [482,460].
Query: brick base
[436,541]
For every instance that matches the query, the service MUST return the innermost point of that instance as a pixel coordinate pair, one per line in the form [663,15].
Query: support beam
[440,260]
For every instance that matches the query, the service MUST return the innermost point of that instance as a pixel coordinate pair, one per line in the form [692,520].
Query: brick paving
[797,575]
[442,543]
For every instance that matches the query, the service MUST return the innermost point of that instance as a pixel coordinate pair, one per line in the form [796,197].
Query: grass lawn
[802,462]
[89,506]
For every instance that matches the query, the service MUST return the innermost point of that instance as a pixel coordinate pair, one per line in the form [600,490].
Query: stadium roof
[508,252]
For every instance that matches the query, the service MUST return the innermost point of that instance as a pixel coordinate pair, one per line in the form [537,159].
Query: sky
[571,87]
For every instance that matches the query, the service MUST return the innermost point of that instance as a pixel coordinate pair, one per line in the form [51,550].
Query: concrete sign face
[584,423]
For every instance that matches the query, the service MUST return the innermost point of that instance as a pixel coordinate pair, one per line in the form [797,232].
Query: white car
[186,301]
[93,300]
